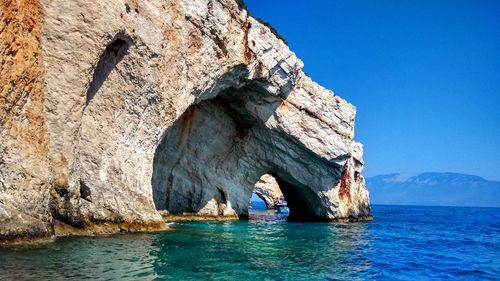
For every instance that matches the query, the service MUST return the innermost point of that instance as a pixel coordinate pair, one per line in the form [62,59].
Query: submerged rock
[114,110]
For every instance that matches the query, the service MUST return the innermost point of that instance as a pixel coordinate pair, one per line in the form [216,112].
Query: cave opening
[209,161]
[266,194]
[267,200]
[284,195]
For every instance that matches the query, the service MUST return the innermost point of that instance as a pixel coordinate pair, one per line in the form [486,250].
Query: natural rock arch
[213,155]
[268,190]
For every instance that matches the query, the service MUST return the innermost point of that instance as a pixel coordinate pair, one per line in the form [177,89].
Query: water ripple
[400,244]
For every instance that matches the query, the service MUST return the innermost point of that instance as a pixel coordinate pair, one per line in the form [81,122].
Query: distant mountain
[434,189]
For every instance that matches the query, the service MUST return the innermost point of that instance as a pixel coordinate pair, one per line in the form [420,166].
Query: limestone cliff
[114,110]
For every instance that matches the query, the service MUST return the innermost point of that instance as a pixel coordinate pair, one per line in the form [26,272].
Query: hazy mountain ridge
[444,189]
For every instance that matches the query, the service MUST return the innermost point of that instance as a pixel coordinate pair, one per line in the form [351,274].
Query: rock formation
[114,110]
[268,190]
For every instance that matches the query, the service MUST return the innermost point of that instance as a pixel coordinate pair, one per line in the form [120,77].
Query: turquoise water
[401,243]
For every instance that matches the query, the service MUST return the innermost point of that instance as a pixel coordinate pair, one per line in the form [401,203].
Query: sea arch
[209,160]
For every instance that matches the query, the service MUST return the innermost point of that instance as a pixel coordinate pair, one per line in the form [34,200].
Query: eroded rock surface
[268,190]
[24,173]
[113,110]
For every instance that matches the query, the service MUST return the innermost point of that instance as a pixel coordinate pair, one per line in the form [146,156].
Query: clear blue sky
[424,76]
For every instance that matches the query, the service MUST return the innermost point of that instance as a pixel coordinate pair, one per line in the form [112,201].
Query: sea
[401,243]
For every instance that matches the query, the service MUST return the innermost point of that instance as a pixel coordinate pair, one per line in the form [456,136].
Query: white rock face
[267,189]
[168,105]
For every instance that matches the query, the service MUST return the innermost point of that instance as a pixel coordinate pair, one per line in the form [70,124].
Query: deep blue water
[401,243]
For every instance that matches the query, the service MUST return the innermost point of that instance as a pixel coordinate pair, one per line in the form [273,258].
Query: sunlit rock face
[113,110]
[268,190]
[24,173]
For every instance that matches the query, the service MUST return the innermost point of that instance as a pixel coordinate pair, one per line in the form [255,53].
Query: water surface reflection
[401,243]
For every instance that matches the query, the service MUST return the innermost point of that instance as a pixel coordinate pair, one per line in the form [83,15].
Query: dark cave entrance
[210,159]
[299,198]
